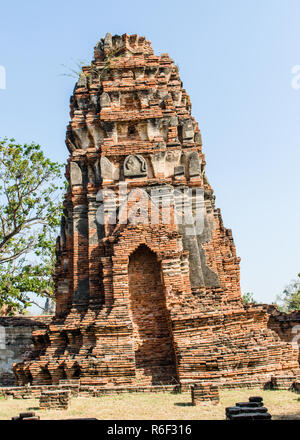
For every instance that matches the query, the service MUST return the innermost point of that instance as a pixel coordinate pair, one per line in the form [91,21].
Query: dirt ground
[280,404]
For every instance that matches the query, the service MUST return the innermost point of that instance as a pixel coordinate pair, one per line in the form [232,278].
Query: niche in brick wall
[153,342]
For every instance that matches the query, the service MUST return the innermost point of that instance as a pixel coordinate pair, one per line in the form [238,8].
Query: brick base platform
[77,389]
[291,383]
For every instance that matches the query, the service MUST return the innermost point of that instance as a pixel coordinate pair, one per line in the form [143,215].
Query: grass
[281,405]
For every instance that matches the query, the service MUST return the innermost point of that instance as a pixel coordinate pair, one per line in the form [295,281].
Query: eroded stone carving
[195,165]
[108,41]
[82,81]
[106,169]
[135,166]
[187,130]
[104,100]
[198,138]
[81,137]
[153,128]
[172,160]
[158,163]
[75,174]
[179,171]
[94,173]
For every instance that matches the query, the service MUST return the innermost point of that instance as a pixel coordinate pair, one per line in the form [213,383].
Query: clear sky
[235,59]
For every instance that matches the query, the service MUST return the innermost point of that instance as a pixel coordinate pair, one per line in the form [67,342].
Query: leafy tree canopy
[30,210]
[289,300]
[248,298]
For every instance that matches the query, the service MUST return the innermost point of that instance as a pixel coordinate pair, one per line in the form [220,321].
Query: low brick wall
[26,392]
[16,341]
[205,393]
[286,325]
[57,399]
[77,390]
[34,392]
[88,390]
[282,383]
[261,384]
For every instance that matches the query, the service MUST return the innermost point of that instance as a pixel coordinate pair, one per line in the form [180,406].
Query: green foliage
[77,69]
[289,300]
[30,210]
[248,298]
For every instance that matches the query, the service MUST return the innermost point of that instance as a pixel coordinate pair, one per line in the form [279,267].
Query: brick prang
[145,302]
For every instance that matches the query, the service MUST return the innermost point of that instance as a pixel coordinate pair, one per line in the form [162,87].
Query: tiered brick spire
[145,302]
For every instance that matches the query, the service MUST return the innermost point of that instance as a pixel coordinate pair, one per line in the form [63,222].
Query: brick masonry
[15,342]
[145,303]
[286,325]
[56,399]
[205,393]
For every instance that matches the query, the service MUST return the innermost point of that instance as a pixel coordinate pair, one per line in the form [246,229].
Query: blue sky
[235,59]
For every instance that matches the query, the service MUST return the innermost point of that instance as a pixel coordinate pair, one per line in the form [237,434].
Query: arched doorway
[153,344]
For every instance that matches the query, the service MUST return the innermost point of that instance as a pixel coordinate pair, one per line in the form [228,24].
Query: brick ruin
[145,302]
[15,342]
[286,325]
[205,392]
[55,399]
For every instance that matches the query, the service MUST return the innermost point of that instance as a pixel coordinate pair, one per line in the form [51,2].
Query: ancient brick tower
[142,300]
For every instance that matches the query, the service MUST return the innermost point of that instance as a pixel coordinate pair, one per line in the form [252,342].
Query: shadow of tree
[183,404]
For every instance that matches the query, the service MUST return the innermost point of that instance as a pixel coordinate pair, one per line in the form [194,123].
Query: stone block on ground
[251,410]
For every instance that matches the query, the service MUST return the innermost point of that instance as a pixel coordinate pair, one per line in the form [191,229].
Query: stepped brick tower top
[131,123]
[147,277]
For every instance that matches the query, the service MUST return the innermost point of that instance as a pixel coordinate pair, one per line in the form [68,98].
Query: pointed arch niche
[153,342]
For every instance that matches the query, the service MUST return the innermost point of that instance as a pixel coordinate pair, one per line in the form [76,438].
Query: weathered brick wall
[286,325]
[16,342]
[56,399]
[124,286]
[205,393]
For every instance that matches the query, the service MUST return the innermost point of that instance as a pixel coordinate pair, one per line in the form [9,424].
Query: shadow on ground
[295,416]
[183,404]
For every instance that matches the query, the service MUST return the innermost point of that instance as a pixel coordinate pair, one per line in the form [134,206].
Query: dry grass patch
[137,406]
